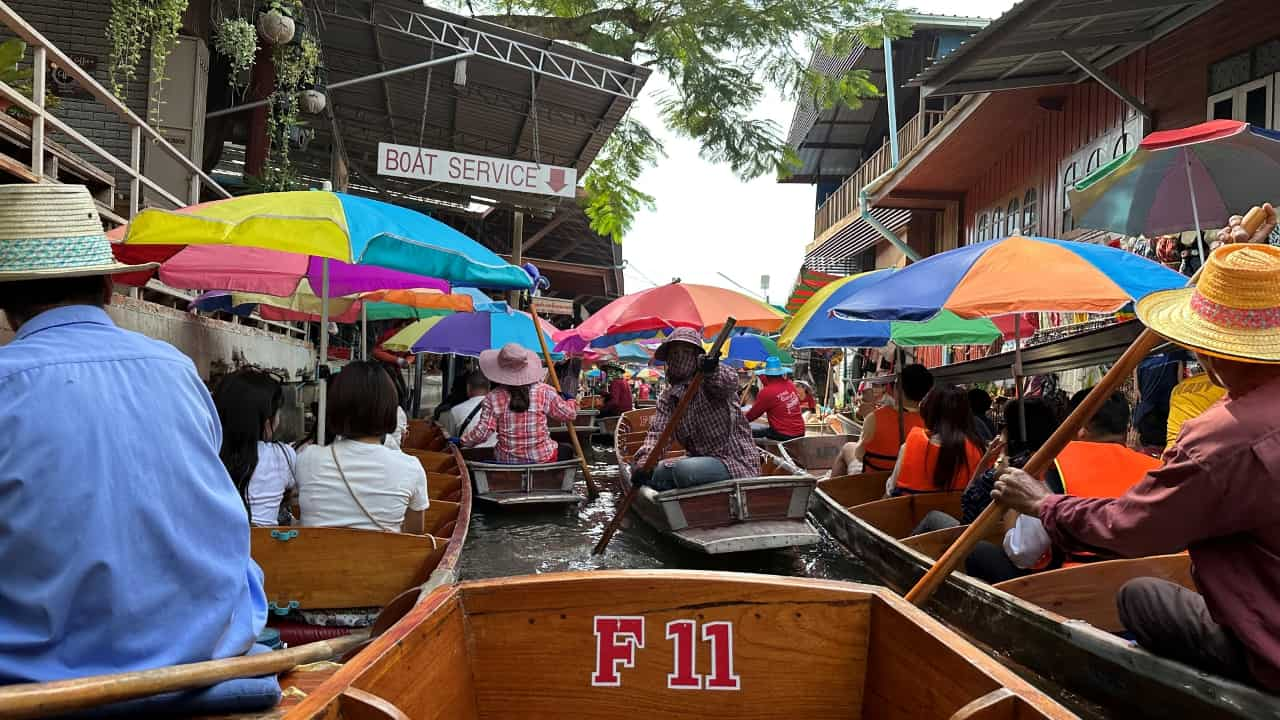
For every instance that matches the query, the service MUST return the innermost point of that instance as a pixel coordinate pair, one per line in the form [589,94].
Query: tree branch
[582,28]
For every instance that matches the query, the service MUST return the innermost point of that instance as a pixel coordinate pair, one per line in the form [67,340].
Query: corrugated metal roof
[1026,46]
[853,238]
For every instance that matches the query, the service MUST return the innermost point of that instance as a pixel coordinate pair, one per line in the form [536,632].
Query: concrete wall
[211,344]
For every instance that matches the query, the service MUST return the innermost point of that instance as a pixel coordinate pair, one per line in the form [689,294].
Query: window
[1011,218]
[1094,162]
[1030,223]
[984,222]
[1251,102]
[997,222]
[1121,147]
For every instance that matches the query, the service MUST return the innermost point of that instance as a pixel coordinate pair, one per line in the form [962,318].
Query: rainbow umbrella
[753,348]
[378,305]
[472,333]
[1011,275]
[651,312]
[1185,179]
[813,325]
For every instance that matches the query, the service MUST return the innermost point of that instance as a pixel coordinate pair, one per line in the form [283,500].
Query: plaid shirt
[713,424]
[522,437]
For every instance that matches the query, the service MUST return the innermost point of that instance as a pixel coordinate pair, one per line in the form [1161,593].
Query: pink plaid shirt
[713,425]
[522,437]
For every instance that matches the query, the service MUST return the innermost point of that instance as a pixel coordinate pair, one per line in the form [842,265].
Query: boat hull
[1086,660]
[525,485]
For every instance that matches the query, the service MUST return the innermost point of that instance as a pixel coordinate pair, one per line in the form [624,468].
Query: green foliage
[135,26]
[720,57]
[297,66]
[19,78]
[291,8]
[237,40]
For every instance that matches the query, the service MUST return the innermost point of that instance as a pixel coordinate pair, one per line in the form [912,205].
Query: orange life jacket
[1100,470]
[880,451]
[920,457]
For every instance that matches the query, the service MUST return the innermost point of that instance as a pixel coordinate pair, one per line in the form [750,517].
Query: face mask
[681,366]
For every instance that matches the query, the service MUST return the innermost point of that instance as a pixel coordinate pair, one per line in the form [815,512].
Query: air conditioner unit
[176,109]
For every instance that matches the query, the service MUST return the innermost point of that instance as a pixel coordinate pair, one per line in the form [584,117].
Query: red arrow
[555,180]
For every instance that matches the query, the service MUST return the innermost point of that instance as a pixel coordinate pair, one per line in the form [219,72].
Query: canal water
[502,543]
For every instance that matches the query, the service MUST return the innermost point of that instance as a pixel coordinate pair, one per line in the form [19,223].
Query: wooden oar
[1039,462]
[664,439]
[31,700]
[592,490]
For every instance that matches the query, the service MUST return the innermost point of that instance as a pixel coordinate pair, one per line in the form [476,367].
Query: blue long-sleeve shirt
[123,542]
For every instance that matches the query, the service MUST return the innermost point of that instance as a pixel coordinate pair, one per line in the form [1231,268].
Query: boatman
[124,544]
[1216,494]
[713,431]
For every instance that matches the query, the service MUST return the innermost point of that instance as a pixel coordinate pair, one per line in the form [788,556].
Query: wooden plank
[852,490]
[1088,592]
[443,486]
[898,516]
[341,567]
[816,454]
[434,461]
[440,513]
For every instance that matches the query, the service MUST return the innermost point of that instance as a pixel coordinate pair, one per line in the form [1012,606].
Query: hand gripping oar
[592,490]
[1039,462]
[664,439]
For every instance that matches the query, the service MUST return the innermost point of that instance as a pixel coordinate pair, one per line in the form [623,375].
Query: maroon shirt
[1217,495]
[619,398]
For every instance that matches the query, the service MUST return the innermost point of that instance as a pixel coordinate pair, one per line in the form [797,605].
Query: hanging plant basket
[275,27]
[313,101]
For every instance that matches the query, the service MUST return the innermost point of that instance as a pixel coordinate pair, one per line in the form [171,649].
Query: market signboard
[418,163]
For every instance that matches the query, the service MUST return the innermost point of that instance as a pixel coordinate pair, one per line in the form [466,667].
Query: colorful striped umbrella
[1186,179]
[471,333]
[753,348]
[1011,275]
[813,326]
[646,314]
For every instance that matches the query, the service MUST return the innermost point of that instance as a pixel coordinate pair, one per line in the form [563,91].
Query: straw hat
[52,231]
[1233,311]
[685,335]
[512,365]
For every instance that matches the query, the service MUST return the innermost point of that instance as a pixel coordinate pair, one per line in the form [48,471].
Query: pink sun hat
[512,365]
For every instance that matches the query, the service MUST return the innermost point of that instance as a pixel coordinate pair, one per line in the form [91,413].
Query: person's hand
[1019,491]
[709,364]
[566,395]
[640,476]
[402,361]
[1234,232]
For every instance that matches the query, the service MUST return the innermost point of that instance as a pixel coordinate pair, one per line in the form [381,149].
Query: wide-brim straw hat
[1233,312]
[512,365]
[685,335]
[52,231]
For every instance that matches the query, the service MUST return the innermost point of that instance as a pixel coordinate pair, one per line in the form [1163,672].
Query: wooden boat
[1060,624]
[815,454]
[661,644]
[609,425]
[312,568]
[757,513]
[525,485]
[585,425]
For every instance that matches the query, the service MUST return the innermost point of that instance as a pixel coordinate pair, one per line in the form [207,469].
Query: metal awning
[831,142]
[517,96]
[1055,42]
[853,237]
[1095,347]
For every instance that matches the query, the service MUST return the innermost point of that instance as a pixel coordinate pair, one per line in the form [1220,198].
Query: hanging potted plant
[236,40]
[313,99]
[276,21]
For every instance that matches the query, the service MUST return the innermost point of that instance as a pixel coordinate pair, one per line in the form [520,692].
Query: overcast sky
[707,221]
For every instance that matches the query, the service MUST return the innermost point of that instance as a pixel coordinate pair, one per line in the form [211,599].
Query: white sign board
[415,163]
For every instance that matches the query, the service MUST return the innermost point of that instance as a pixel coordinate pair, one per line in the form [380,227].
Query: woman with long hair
[248,402]
[944,454]
[518,407]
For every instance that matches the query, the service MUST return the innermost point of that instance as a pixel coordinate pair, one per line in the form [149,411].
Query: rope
[426,98]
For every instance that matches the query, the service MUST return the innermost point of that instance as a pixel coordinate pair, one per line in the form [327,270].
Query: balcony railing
[844,201]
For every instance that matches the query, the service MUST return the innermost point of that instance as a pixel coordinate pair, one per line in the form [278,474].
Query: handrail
[844,201]
[45,50]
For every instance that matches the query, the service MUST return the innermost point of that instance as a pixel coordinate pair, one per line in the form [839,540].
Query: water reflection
[504,542]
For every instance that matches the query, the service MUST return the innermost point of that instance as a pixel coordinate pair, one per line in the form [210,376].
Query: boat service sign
[620,638]
[419,163]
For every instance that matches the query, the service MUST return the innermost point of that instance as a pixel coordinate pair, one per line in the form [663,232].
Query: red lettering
[617,639]
[683,632]
[720,635]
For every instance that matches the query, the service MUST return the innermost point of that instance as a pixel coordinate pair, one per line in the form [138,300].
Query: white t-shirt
[457,415]
[394,439]
[387,482]
[272,478]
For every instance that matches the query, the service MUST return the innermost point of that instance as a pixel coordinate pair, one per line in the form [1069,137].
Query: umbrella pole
[1195,211]
[1017,376]
[322,376]
[898,398]
[592,490]
[364,331]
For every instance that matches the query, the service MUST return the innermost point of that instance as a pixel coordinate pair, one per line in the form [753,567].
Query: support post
[135,163]
[517,252]
[890,100]
[321,374]
[39,65]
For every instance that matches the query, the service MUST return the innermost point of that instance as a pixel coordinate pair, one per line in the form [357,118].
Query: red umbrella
[647,313]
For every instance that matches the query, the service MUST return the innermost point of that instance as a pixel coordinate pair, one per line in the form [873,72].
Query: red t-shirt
[779,399]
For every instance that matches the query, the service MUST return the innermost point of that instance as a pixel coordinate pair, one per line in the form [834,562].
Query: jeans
[687,472]
[769,433]
[935,520]
[988,563]
[1172,621]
